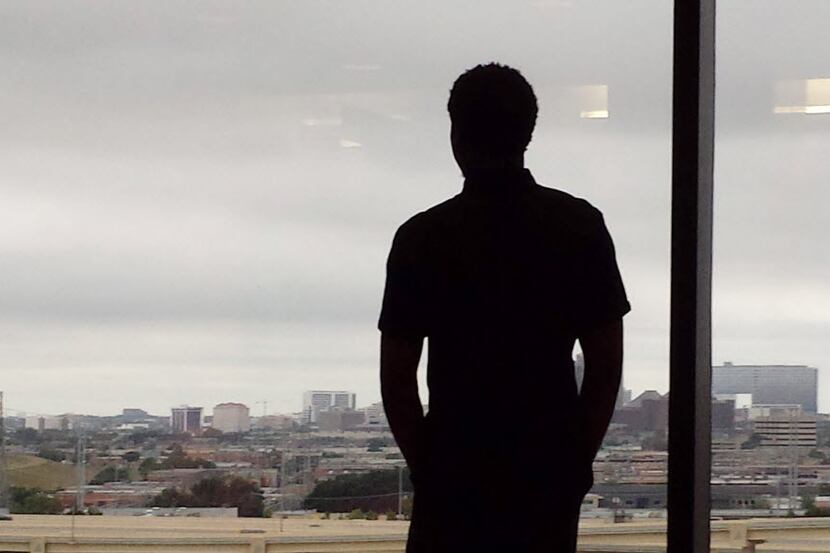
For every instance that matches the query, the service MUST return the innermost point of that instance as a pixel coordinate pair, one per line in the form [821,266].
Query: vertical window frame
[693,118]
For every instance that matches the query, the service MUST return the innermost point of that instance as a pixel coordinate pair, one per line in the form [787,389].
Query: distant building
[133,415]
[375,415]
[579,370]
[769,384]
[339,420]
[742,401]
[775,411]
[275,422]
[786,431]
[317,401]
[648,412]
[623,397]
[186,419]
[231,417]
[41,423]
[723,415]
[34,421]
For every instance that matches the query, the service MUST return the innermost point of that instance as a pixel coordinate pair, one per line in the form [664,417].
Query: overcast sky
[197,198]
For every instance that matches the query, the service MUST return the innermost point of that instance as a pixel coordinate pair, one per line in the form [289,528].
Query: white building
[786,431]
[317,401]
[41,423]
[375,415]
[231,417]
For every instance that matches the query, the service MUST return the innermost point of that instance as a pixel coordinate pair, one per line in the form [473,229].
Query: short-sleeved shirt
[501,279]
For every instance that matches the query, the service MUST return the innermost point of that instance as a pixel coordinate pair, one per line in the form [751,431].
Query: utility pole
[80,468]
[400,492]
[4,485]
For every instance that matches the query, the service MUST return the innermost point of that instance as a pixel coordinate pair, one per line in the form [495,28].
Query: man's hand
[399,357]
[603,351]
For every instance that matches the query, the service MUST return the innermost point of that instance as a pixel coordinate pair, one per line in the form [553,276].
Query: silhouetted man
[503,279]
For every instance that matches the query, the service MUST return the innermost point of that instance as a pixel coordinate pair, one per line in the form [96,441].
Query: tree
[216,492]
[32,501]
[26,436]
[147,466]
[816,454]
[131,456]
[375,444]
[753,442]
[376,491]
[110,474]
[178,459]
[51,454]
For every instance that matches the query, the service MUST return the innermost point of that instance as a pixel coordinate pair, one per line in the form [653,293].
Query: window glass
[197,201]
[771,293]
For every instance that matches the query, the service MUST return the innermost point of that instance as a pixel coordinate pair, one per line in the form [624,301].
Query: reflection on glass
[771,295]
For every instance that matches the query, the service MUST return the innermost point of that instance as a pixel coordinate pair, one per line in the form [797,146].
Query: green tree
[147,466]
[26,436]
[32,501]
[376,491]
[178,459]
[51,454]
[131,456]
[216,492]
[110,474]
[375,444]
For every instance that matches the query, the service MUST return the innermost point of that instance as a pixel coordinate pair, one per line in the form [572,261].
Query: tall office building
[186,419]
[231,417]
[769,384]
[317,401]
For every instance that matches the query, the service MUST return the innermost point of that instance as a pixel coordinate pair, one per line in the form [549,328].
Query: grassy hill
[35,472]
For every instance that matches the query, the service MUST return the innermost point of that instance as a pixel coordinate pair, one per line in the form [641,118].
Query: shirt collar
[505,181]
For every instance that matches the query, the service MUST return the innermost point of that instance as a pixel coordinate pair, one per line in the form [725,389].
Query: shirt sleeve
[405,296]
[601,294]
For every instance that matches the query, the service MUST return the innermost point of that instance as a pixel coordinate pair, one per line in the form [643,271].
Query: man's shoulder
[424,220]
[565,204]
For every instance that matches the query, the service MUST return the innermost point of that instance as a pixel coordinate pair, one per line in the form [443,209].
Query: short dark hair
[493,107]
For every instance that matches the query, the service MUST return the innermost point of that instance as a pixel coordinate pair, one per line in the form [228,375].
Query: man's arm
[602,348]
[399,357]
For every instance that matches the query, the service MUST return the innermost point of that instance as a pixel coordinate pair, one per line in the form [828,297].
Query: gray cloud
[180,222]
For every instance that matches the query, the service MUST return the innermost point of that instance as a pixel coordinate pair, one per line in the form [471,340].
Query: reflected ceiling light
[323,122]
[593,101]
[362,67]
[400,117]
[349,143]
[807,96]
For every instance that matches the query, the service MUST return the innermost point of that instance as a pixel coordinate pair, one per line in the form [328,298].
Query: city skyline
[259,407]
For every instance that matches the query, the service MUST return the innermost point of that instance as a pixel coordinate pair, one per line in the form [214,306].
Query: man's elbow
[603,346]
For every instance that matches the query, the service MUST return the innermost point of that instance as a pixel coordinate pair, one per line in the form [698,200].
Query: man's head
[493,111]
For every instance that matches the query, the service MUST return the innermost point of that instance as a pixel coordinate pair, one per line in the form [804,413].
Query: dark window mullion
[691,276]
